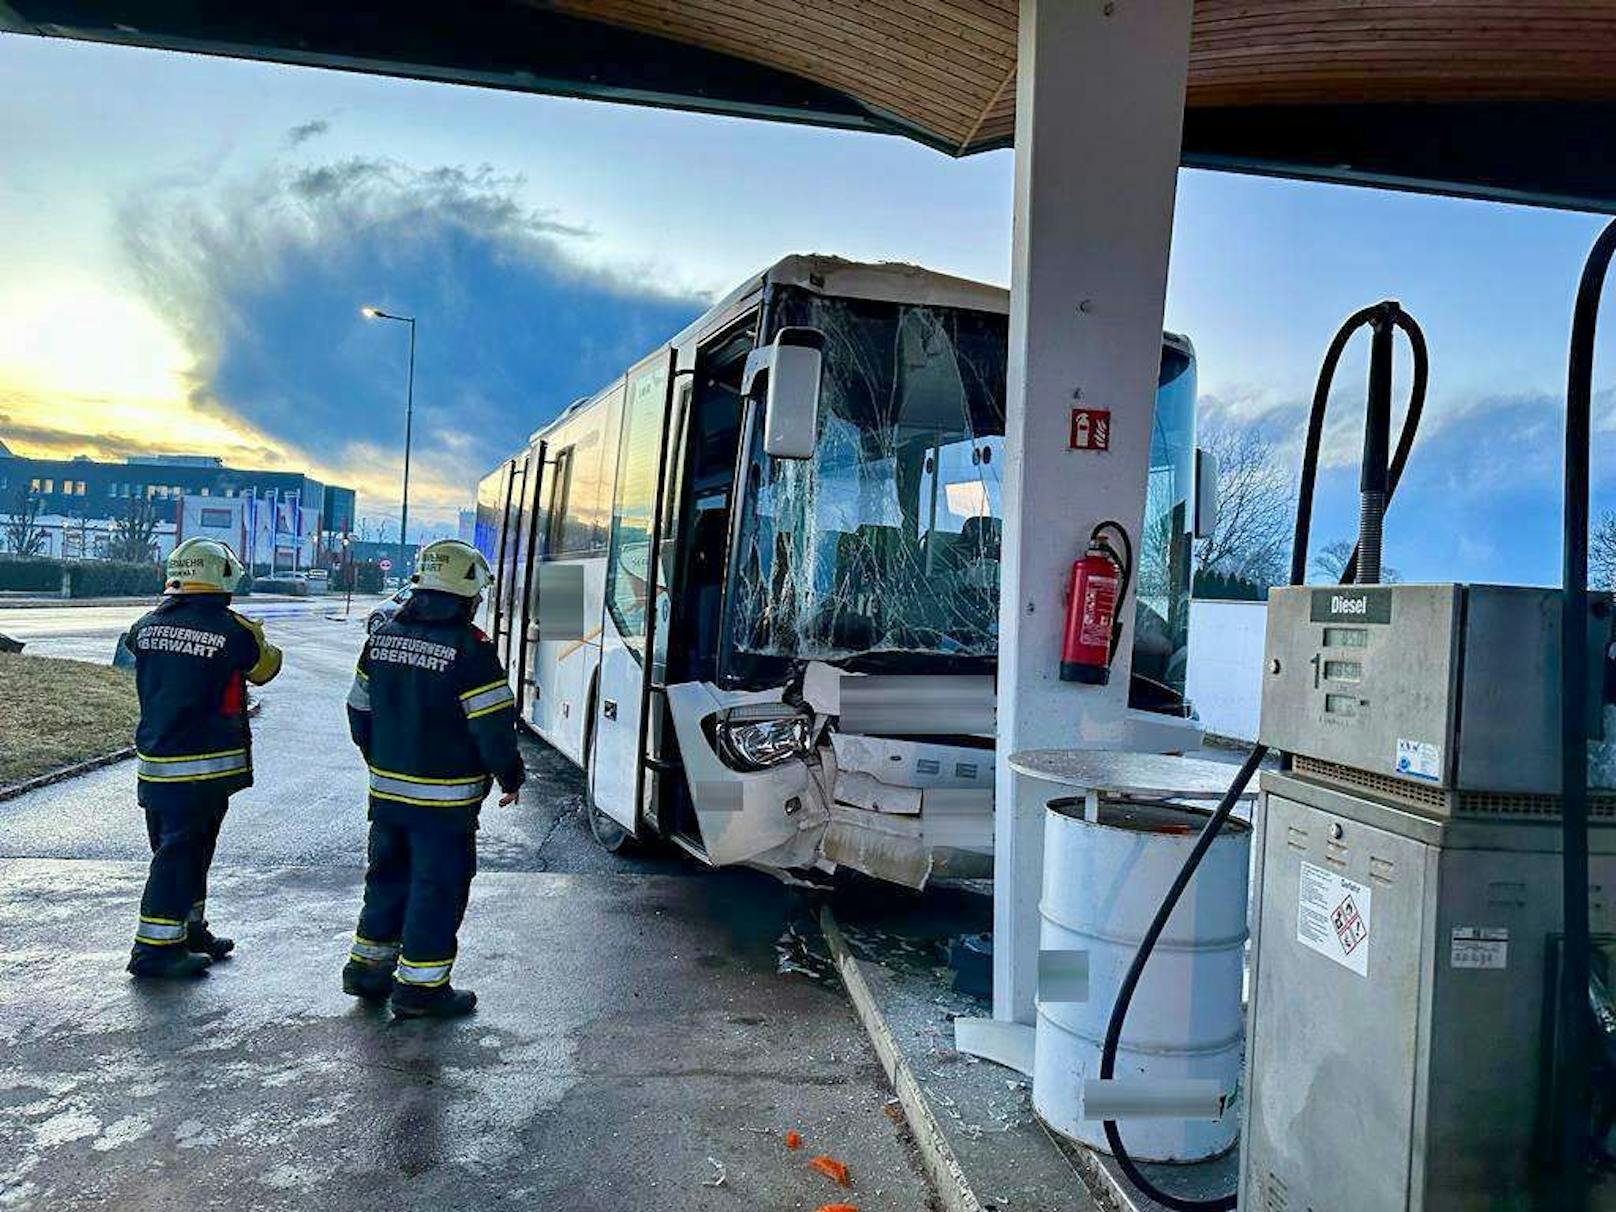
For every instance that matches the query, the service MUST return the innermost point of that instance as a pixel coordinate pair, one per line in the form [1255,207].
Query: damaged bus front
[806,658]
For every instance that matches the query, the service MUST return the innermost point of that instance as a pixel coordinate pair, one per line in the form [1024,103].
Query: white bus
[786,659]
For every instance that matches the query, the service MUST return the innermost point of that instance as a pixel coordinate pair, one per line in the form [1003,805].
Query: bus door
[661,747]
[498,623]
[617,741]
[526,629]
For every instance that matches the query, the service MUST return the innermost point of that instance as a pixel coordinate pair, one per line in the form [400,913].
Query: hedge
[290,586]
[89,578]
[31,575]
[367,578]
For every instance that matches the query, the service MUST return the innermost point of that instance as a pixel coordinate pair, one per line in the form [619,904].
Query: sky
[185,243]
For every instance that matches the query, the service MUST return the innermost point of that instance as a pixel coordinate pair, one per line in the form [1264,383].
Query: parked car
[386,609]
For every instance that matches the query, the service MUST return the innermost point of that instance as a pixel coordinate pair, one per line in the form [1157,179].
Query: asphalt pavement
[648,1029]
[307,805]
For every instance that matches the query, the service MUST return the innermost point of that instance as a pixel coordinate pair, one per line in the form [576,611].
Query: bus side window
[556,516]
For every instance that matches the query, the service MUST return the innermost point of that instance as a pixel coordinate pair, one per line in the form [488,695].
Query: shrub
[286,585]
[30,574]
[114,578]
[366,578]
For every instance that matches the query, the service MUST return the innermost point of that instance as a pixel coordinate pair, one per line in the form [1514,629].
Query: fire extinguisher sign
[1091,429]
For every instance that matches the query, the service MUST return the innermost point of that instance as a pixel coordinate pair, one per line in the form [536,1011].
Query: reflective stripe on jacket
[431,711]
[193,657]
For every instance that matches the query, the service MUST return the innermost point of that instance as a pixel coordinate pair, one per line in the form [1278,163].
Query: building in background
[369,551]
[83,538]
[468,526]
[284,519]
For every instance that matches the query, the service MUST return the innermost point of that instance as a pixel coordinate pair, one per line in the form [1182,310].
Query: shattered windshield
[887,540]
[1162,613]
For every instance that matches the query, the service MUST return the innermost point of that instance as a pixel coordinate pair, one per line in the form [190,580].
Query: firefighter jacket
[193,658]
[432,713]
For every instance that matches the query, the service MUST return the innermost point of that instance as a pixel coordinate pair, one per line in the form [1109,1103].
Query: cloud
[263,276]
[1481,497]
[304,131]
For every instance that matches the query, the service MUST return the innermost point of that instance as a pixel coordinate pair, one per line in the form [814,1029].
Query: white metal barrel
[1103,882]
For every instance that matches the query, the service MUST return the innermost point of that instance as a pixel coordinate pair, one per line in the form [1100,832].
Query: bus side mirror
[791,366]
[1206,494]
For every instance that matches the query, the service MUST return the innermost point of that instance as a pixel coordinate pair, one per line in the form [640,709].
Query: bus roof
[892,281]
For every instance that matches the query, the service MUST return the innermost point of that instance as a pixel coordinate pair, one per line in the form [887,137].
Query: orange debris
[793,1139]
[831,1169]
[836,1208]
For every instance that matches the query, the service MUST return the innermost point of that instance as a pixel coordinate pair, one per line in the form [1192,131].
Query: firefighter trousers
[417,881]
[183,838]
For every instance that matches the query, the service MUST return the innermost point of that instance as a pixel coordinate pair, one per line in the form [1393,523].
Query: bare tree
[1329,563]
[1252,537]
[22,531]
[134,534]
[1602,553]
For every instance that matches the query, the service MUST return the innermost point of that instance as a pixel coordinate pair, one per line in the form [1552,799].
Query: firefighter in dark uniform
[193,658]
[431,711]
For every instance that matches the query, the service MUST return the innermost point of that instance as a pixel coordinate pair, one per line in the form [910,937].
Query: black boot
[367,981]
[442,1002]
[199,940]
[171,963]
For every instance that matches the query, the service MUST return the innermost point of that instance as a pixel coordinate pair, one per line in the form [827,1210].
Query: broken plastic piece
[831,1169]
[719,1176]
[836,1208]
[793,1139]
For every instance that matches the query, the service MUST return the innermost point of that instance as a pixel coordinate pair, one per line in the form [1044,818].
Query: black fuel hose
[1381,312]
[1572,1084]
[1124,561]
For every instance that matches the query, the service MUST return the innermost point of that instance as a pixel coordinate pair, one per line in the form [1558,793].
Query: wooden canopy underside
[946,68]
[1512,100]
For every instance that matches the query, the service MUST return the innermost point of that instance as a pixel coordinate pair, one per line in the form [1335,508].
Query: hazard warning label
[1333,917]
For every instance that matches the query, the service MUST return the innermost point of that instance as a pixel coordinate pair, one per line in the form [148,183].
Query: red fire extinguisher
[1095,586]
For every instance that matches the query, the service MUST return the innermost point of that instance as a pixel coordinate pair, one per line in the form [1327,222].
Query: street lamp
[376,313]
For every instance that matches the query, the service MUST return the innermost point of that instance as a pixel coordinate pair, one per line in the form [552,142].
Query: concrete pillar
[1099,119]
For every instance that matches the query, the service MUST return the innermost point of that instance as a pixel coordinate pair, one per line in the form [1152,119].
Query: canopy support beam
[1099,119]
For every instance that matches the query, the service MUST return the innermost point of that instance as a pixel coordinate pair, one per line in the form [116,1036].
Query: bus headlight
[759,735]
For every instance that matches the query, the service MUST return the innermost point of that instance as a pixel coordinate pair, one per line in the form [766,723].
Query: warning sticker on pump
[1479,947]
[1419,759]
[1333,917]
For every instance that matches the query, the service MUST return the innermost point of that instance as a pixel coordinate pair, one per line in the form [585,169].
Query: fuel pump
[1379,482]
[1425,1016]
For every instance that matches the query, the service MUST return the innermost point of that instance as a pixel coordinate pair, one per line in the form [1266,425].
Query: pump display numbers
[1333,917]
[1346,637]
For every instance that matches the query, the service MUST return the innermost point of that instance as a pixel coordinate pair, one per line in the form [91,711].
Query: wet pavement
[647,1026]
[631,1028]
[307,806]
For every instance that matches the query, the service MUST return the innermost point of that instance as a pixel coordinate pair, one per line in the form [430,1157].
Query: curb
[941,1165]
[60,775]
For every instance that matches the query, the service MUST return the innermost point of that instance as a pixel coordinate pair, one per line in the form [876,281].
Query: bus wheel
[613,838]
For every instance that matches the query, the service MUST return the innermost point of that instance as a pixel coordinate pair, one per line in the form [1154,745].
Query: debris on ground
[795,952]
[894,1110]
[793,1139]
[836,1208]
[832,1169]
[719,1175]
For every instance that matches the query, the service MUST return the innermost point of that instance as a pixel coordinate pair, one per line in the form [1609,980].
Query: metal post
[1099,123]
[375,313]
[409,417]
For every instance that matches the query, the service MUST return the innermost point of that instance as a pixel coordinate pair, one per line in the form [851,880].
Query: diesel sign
[1351,605]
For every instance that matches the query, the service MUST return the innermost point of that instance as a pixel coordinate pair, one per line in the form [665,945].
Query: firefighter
[435,719]
[193,658]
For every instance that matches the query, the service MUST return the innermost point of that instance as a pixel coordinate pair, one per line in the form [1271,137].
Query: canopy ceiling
[1508,99]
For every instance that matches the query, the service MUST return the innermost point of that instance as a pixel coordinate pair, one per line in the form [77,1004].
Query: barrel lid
[1141,815]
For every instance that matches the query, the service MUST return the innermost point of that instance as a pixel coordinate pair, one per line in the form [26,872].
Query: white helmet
[202,566]
[450,566]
